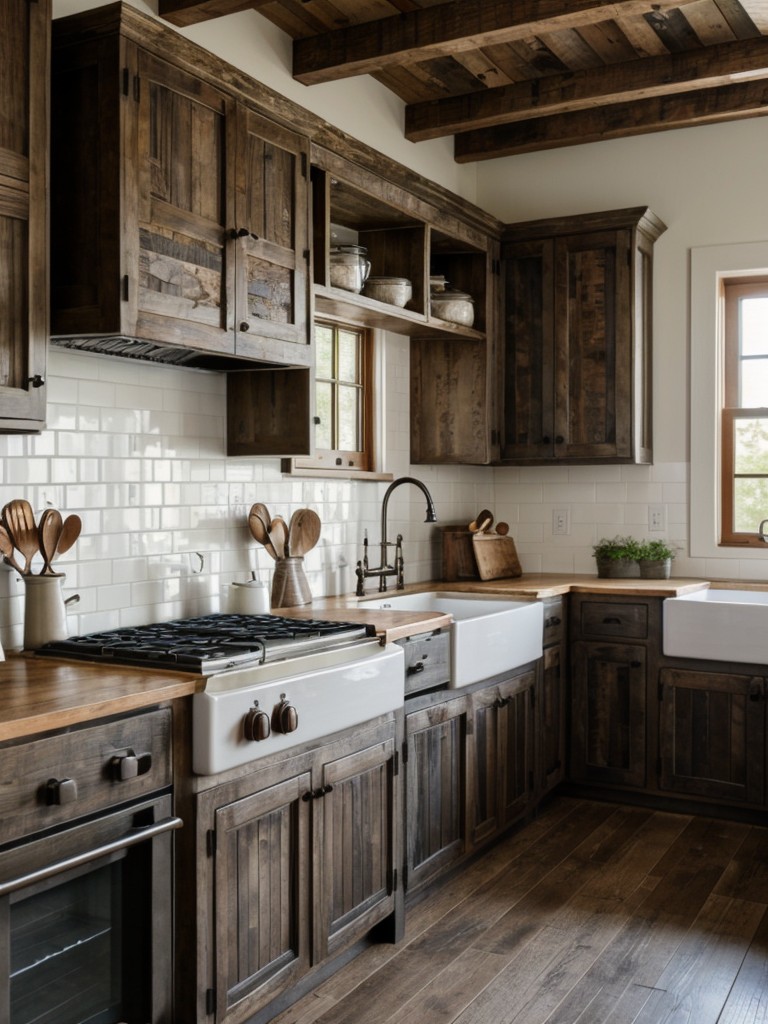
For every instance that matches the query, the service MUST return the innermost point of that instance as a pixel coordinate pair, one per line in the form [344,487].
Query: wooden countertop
[39,694]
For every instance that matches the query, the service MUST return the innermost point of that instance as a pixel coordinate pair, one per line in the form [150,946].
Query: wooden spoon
[19,520]
[303,531]
[70,531]
[278,532]
[259,532]
[259,509]
[49,531]
[7,550]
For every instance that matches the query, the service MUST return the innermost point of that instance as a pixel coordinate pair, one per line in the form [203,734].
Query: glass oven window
[67,936]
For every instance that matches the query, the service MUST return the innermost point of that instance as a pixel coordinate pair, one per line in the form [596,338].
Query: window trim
[710,267]
[373,415]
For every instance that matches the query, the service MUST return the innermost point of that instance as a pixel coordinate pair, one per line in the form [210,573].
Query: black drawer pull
[554,621]
[415,669]
[611,621]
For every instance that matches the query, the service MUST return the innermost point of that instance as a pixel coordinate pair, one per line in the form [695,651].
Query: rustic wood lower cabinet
[686,732]
[469,761]
[296,861]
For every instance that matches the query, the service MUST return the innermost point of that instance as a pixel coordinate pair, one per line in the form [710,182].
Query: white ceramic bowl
[455,307]
[396,291]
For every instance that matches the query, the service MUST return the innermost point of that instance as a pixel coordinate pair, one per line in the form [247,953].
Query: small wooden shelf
[356,308]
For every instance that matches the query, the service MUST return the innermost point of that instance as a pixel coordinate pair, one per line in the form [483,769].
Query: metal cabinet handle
[129,766]
[239,233]
[611,621]
[60,791]
[132,838]
[415,669]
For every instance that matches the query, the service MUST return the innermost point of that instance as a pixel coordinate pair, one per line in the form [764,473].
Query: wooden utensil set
[19,532]
[483,523]
[284,540]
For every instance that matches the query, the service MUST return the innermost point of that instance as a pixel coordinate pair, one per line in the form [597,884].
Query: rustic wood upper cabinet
[24,58]
[576,382]
[180,213]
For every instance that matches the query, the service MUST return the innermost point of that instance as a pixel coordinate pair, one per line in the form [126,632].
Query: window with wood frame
[343,400]
[744,433]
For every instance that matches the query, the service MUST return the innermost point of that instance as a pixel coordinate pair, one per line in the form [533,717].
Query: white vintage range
[271,682]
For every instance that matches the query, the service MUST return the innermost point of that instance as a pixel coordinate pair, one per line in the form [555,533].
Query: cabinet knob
[244,325]
[256,725]
[129,766]
[285,717]
[415,669]
[37,381]
[239,233]
[60,791]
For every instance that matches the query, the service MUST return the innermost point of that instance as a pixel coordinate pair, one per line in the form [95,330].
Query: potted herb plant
[617,557]
[655,560]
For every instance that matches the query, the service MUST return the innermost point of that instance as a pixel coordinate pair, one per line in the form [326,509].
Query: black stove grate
[209,642]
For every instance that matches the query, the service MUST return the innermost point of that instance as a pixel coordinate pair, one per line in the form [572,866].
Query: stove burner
[209,642]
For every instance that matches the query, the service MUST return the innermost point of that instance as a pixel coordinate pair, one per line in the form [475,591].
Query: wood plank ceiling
[524,75]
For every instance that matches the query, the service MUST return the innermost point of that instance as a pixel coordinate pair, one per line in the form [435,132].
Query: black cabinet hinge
[126,291]
[394,879]
[303,165]
[210,842]
[405,753]
[210,1000]
[396,764]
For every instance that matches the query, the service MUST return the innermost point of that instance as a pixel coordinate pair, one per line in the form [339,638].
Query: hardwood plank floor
[592,914]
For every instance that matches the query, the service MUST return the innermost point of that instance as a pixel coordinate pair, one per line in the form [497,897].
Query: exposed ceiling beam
[619,120]
[708,67]
[446,29]
[191,12]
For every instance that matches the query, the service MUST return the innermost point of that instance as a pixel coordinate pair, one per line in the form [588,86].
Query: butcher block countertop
[39,694]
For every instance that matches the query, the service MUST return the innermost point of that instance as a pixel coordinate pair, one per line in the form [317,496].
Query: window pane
[754,384]
[751,445]
[754,326]
[323,351]
[349,419]
[324,413]
[750,504]
[349,348]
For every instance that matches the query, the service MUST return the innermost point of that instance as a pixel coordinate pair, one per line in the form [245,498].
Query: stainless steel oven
[85,875]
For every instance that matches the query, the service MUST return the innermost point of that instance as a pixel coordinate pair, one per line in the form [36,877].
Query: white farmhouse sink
[488,635]
[724,625]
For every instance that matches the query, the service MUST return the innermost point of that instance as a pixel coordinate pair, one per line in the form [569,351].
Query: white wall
[128,448]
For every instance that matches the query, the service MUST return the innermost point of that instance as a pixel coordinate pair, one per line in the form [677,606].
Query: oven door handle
[132,838]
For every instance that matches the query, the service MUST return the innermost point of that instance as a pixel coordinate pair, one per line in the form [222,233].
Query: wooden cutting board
[496,556]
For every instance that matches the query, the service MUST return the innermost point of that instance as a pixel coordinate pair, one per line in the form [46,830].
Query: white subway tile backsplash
[139,453]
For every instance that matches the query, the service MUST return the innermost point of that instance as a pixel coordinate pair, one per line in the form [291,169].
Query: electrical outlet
[657,518]
[561,522]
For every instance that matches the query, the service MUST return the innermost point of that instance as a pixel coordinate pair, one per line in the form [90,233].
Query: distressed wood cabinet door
[435,789]
[360,828]
[186,219]
[24,79]
[271,219]
[501,756]
[712,734]
[608,727]
[262,896]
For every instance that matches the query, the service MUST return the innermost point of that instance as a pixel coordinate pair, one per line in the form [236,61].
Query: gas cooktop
[210,643]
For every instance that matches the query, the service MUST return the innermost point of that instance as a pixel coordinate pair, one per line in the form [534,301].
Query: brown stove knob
[285,717]
[256,725]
